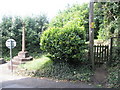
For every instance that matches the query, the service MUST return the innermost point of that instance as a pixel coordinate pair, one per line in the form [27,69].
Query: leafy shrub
[113,77]
[67,43]
[45,67]
[64,71]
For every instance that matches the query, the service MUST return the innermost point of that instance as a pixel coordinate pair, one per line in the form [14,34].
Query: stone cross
[23,56]
[23,38]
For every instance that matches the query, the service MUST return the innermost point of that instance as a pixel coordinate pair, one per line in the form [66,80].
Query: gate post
[91,33]
[110,56]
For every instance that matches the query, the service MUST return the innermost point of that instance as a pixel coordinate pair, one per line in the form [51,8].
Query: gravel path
[8,80]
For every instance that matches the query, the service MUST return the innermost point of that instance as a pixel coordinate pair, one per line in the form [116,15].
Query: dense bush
[113,77]
[67,43]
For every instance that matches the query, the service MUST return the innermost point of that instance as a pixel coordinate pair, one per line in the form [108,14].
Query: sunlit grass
[37,63]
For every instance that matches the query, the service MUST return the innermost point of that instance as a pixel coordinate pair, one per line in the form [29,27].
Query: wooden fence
[101,54]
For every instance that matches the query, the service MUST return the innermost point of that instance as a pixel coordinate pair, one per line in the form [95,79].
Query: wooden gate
[101,54]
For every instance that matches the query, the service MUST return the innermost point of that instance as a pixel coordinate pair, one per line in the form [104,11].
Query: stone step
[23,54]
[18,62]
[12,67]
[15,62]
[26,59]
[17,58]
[22,58]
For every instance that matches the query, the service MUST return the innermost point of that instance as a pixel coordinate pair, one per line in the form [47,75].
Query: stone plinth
[23,54]
[17,58]
[22,58]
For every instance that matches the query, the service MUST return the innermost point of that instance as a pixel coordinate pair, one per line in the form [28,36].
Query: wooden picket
[101,54]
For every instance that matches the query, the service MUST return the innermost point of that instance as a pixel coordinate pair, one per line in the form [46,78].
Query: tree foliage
[74,13]
[110,23]
[12,28]
[106,17]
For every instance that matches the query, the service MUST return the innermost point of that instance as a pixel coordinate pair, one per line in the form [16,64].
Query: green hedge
[113,77]
[67,43]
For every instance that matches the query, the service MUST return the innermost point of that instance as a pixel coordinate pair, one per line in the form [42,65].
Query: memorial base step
[22,58]
[17,58]
[12,67]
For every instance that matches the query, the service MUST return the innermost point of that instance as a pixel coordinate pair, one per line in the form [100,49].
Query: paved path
[8,80]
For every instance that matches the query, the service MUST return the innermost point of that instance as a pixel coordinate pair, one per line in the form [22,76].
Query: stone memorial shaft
[23,38]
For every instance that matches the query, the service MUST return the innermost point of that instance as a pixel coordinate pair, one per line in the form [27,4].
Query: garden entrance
[101,54]
[107,53]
